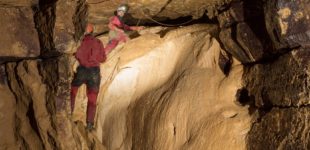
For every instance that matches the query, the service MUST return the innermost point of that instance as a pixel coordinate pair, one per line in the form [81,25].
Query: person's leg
[123,38]
[91,104]
[93,84]
[111,45]
[77,81]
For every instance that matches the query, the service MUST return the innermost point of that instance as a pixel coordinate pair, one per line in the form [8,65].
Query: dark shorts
[88,75]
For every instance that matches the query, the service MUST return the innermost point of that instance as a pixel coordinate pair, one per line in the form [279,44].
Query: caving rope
[165,24]
[97,2]
[149,17]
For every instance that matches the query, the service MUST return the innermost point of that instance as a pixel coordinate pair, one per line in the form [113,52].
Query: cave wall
[278,86]
[269,38]
[7,113]
[18,34]
[194,110]
[39,38]
[169,92]
[281,93]
[142,11]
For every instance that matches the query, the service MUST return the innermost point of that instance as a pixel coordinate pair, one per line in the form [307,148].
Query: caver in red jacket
[90,54]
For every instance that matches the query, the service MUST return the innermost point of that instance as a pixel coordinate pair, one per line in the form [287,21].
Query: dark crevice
[173,23]
[163,8]
[3,76]
[10,84]
[130,20]
[80,19]
[52,141]
[234,37]
[287,107]
[267,59]
[254,17]
[243,98]
[32,120]
[44,18]
[7,59]
[264,111]
[49,67]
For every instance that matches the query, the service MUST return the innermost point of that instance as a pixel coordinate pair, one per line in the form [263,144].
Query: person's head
[89,29]
[121,10]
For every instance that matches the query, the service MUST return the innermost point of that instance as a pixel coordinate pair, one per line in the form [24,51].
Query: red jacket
[115,22]
[91,52]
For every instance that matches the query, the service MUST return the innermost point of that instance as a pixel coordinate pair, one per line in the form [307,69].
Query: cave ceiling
[19,3]
[144,10]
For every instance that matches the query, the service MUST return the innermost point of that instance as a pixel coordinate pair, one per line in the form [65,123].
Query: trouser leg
[77,81]
[111,45]
[91,104]
[93,84]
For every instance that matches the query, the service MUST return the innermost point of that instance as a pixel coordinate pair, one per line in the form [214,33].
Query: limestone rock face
[19,37]
[281,92]
[19,3]
[234,48]
[60,25]
[167,87]
[288,22]
[169,93]
[30,92]
[36,90]
[192,110]
[281,128]
[37,116]
[100,11]
[7,113]
[64,27]
[243,33]
[291,71]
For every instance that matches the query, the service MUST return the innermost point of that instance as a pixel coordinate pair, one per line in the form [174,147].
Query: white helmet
[123,8]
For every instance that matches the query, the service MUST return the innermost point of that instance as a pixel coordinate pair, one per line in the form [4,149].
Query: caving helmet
[123,8]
